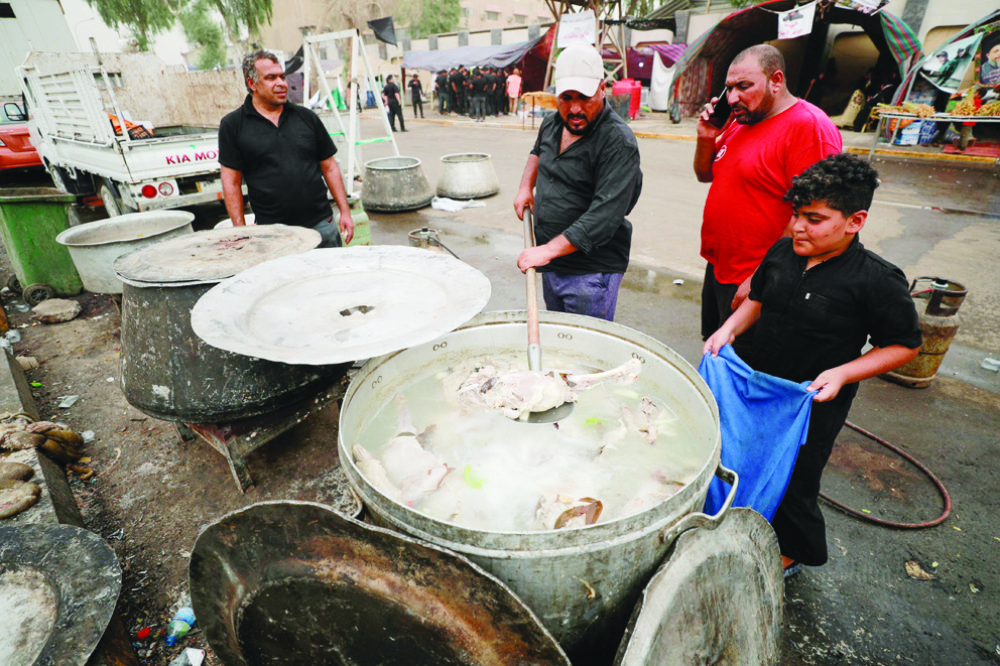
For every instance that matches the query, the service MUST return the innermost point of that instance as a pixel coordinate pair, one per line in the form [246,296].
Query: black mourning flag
[384,30]
[295,63]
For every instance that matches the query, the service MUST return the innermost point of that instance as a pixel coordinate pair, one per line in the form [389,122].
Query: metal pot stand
[64,583]
[297,583]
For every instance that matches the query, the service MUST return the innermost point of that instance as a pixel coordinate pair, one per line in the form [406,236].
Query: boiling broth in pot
[621,451]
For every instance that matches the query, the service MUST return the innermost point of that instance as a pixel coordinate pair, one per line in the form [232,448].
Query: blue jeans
[594,294]
[330,234]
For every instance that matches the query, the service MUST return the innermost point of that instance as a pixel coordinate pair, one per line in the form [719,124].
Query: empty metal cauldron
[94,246]
[296,583]
[395,184]
[583,582]
[467,176]
[58,588]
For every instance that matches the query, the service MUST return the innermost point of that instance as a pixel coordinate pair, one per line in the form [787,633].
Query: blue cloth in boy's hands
[764,422]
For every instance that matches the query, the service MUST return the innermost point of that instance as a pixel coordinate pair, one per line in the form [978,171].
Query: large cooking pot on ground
[170,373]
[582,583]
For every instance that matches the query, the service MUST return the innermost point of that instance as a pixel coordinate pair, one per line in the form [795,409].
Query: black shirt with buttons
[280,164]
[817,319]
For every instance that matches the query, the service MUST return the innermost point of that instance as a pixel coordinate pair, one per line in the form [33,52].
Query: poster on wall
[578,28]
[947,66]
[989,55]
[796,22]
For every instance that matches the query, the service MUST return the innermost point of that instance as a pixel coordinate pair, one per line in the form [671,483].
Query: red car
[16,151]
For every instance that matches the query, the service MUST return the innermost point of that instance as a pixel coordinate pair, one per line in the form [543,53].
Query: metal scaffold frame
[351,132]
[605,32]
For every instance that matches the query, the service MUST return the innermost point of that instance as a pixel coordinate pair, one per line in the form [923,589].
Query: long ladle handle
[534,344]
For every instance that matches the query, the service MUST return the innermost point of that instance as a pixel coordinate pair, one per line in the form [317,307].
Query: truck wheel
[34,294]
[112,202]
[82,184]
[57,178]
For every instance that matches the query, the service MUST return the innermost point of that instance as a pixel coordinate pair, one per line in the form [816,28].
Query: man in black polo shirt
[453,91]
[441,88]
[581,180]
[477,88]
[284,154]
[461,89]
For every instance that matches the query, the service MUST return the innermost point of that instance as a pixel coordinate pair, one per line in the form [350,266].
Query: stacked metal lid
[211,256]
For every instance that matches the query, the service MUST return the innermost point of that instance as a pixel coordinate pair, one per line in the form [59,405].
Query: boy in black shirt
[817,298]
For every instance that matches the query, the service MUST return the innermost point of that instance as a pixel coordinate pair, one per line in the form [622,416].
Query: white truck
[89,145]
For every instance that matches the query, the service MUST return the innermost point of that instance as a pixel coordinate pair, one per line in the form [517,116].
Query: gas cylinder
[937,301]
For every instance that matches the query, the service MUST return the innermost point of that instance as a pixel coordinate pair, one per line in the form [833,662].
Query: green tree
[143,19]
[244,16]
[437,16]
[204,33]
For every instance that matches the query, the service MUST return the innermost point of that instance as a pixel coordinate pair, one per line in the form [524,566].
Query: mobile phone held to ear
[722,110]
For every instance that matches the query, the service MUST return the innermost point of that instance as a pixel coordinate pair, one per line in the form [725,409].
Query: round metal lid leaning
[338,305]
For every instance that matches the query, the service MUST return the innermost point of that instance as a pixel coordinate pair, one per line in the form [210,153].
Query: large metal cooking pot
[295,583]
[94,246]
[170,373]
[395,185]
[582,583]
[467,176]
[58,588]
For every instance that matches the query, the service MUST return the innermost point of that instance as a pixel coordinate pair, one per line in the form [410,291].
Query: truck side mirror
[14,113]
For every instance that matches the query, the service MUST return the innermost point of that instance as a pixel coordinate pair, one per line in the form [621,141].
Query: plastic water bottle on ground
[179,625]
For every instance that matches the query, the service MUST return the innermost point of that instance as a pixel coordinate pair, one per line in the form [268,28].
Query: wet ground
[153,493]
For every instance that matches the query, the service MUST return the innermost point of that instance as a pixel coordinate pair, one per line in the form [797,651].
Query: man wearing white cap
[581,180]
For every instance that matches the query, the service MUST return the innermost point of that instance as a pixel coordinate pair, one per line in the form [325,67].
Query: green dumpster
[30,220]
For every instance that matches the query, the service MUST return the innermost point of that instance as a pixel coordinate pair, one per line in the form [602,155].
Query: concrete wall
[162,94]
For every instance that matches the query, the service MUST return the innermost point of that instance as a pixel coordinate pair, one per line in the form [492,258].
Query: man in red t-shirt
[770,137]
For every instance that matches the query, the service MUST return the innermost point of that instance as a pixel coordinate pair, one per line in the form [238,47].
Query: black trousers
[396,110]
[478,106]
[716,306]
[798,522]
[441,102]
[418,103]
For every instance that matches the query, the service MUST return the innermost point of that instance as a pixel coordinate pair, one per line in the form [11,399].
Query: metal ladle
[534,344]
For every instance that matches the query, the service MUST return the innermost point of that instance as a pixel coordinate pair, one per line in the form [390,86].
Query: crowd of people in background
[483,92]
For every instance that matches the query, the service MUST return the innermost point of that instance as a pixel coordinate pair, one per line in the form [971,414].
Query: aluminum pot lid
[315,587]
[340,304]
[213,255]
[58,588]
[716,598]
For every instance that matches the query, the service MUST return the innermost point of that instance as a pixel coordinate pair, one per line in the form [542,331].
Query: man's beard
[758,114]
[577,132]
